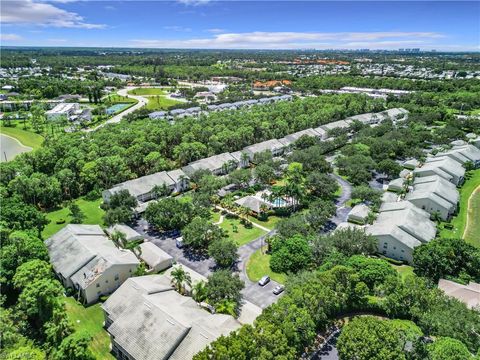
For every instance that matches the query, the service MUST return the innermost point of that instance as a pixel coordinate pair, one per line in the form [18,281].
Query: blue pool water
[279,202]
[116,108]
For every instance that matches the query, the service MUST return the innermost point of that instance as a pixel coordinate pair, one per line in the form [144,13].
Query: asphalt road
[342,210]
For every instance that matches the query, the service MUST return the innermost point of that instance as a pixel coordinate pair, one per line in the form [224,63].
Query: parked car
[278,289]
[264,280]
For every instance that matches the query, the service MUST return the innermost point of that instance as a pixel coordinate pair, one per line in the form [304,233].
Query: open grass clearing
[91,209]
[403,270]
[160,103]
[147,91]
[238,231]
[458,223]
[472,230]
[90,320]
[26,137]
[259,265]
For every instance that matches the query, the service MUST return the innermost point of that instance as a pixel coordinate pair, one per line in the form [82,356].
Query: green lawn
[242,235]
[259,265]
[160,103]
[118,99]
[472,232]
[270,223]
[27,138]
[147,91]
[90,320]
[459,222]
[91,209]
[403,270]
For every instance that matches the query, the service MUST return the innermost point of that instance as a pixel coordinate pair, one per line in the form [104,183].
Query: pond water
[116,108]
[10,147]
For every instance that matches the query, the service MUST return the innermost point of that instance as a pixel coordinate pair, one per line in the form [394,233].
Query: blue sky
[441,25]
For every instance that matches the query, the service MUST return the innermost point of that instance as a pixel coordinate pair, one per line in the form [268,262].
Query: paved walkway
[234,213]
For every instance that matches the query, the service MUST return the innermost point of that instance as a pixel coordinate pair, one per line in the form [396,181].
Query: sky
[210,24]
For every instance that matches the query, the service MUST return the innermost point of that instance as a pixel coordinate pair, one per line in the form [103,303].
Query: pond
[11,147]
[116,108]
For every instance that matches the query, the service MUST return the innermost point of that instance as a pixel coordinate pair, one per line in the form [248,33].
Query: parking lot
[256,294]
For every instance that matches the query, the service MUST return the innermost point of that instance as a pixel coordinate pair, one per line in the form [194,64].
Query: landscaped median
[459,223]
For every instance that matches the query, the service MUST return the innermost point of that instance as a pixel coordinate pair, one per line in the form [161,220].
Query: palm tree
[119,238]
[199,291]
[180,278]
[244,159]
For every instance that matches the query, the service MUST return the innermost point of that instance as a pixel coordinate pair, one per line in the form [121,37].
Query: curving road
[117,118]
[342,210]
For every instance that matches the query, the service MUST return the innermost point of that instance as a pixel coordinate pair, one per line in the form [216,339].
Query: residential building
[435,195]
[468,294]
[359,214]
[253,203]
[292,138]
[445,167]
[463,154]
[130,234]
[216,164]
[396,185]
[241,158]
[156,259]
[148,320]
[399,228]
[142,187]
[273,145]
[62,110]
[85,259]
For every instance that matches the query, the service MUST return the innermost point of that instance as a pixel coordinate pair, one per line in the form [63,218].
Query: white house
[130,234]
[399,228]
[63,109]
[156,259]
[85,259]
[445,167]
[359,214]
[216,164]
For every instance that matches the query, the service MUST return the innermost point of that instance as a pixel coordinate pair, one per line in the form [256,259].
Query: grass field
[90,320]
[115,99]
[147,91]
[259,265]
[91,209]
[269,223]
[27,138]
[472,232]
[459,221]
[160,103]
[242,235]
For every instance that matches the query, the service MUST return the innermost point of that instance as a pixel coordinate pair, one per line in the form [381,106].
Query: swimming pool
[116,108]
[279,202]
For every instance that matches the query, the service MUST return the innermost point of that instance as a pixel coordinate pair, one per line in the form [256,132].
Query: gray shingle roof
[143,185]
[82,252]
[152,321]
[211,163]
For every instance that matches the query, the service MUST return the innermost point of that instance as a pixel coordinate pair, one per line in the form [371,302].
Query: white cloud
[10,37]
[295,40]
[215,31]
[177,28]
[30,12]
[56,40]
[193,2]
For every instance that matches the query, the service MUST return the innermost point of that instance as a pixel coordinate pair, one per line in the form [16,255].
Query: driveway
[342,210]
[117,118]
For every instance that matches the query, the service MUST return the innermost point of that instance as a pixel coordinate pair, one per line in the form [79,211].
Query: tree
[240,177]
[119,238]
[389,167]
[223,286]
[18,215]
[199,291]
[319,213]
[26,352]
[76,213]
[264,173]
[371,271]
[442,258]
[75,347]
[31,271]
[366,194]
[290,255]
[446,348]
[369,338]
[352,242]
[224,252]
[180,279]
[120,208]
[200,233]
[169,214]
[293,225]
[321,185]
